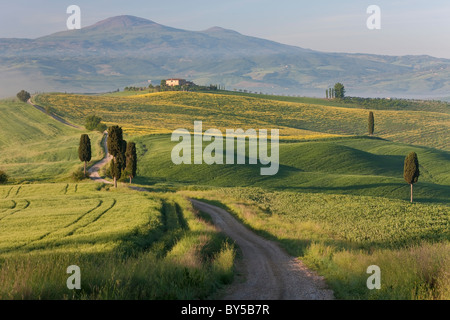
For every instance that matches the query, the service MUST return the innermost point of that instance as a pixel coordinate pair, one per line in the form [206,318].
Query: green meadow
[338,202]
[128,244]
[34,147]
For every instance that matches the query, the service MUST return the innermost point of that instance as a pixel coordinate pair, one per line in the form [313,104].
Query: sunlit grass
[340,236]
[128,244]
[166,111]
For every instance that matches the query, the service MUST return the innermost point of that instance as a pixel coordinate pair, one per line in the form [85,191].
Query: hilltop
[126,50]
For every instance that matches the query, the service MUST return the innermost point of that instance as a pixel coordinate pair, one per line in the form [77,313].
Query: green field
[339,200]
[159,249]
[341,235]
[35,147]
[359,166]
[165,112]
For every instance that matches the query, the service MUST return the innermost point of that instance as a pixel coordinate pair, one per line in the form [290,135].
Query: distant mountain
[127,50]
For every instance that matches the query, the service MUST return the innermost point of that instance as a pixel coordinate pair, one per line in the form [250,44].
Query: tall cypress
[116,145]
[371,123]
[84,150]
[131,160]
[411,170]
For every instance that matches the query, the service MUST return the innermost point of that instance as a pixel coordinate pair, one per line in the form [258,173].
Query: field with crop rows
[128,244]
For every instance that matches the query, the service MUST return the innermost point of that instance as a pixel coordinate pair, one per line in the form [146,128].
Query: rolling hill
[338,202]
[127,50]
[324,148]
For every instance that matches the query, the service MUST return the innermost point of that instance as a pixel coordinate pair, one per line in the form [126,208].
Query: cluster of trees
[336,92]
[23,96]
[138,88]
[190,86]
[124,161]
[93,122]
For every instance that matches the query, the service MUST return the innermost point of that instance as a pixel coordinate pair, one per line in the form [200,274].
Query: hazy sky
[407,26]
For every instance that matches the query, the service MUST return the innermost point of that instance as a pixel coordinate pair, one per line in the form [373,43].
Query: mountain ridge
[128,50]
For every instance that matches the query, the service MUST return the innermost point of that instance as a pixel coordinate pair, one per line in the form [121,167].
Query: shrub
[23,96]
[94,123]
[78,175]
[3,177]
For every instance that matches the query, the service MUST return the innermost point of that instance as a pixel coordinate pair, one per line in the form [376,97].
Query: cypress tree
[411,170]
[371,123]
[131,159]
[116,170]
[339,91]
[114,141]
[326,93]
[116,147]
[84,150]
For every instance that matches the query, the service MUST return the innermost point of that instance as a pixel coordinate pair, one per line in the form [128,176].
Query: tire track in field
[57,118]
[66,226]
[95,219]
[18,189]
[9,191]
[27,204]
[13,207]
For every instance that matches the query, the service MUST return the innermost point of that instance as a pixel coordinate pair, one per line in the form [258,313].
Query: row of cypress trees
[124,154]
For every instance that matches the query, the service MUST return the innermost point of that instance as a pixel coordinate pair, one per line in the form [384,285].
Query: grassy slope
[165,112]
[360,166]
[35,147]
[341,235]
[122,253]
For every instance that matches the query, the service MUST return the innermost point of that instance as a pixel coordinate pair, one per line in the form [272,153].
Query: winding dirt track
[93,171]
[270,274]
[53,116]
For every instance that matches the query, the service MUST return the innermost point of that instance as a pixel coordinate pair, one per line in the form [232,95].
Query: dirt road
[94,170]
[270,274]
[53,116]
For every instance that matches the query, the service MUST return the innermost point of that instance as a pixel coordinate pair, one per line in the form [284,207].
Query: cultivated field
[128,244]
[165,112]
[341,235]
[35,147]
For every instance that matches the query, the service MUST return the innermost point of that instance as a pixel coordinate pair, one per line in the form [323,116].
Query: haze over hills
[127,50]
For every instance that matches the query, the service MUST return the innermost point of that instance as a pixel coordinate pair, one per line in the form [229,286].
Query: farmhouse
[175,82]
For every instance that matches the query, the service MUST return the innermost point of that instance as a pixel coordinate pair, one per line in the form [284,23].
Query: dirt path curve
[270,273]
[94,170]
[53,116]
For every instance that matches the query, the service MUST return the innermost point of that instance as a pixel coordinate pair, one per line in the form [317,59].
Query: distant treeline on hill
[187,87]
[397,104]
